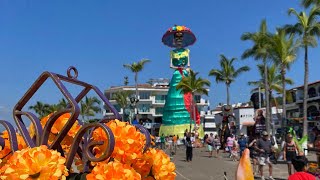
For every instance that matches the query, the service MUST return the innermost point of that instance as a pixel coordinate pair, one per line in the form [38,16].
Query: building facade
[152,98]
[294,105]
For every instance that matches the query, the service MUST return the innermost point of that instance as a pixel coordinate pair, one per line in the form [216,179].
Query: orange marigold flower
[58,125]
[162,167]
[5,152]
[113,171]
[129,141]
[35,163]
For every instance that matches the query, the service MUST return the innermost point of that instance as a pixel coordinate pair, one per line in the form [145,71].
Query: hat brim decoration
[188,37]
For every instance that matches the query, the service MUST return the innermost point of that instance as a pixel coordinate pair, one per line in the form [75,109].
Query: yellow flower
[179,28]
[35,163]
[113,171]
[129,142]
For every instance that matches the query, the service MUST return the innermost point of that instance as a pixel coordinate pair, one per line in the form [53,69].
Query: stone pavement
[204,168]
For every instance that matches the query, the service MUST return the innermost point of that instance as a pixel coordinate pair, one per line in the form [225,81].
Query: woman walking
[254,155]
[217,145]
[209,141]
[290,152]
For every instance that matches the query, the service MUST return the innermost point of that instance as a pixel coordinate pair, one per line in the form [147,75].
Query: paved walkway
[204,168]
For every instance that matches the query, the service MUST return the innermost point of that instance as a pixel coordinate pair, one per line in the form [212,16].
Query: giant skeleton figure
[177,110]
[225,129]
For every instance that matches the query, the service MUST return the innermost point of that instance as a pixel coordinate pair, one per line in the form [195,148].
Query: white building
[244,118]
[151,102]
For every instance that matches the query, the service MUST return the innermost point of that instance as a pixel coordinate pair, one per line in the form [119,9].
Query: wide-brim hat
[188,37]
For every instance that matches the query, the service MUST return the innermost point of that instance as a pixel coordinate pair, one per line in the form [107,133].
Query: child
[234,152]
[300,165]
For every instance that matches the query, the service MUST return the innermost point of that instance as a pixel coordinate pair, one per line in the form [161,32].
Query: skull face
[178,39]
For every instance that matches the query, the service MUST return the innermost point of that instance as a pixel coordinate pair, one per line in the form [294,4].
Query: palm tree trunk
[228,95]
[284,118]
[137,95]
[266,85]
[305,91]
[136,84]
[270,110]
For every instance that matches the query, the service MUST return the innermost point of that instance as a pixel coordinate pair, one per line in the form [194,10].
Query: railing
[83,142]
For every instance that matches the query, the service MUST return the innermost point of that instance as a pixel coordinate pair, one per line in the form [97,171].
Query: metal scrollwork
[82,144]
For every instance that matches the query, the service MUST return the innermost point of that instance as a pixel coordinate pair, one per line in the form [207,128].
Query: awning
[248,123]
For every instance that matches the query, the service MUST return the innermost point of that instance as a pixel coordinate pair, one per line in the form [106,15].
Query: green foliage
[89,107]
[193,84]
[274,79]
[228,73]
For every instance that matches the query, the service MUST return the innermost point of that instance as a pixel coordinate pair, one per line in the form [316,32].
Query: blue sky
[98,37]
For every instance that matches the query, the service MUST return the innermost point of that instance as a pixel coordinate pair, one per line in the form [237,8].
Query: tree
[284,52]
[194,85]
[307,29]
[41,109]
[260,51]
[136,67]
[89,106]
[308,3]
[274,80]
[227,74]
[121,98]
[126,80]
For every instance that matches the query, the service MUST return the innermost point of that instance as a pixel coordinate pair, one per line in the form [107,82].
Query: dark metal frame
[82,143]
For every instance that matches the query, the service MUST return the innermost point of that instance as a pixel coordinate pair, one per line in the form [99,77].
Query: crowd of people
[260,143]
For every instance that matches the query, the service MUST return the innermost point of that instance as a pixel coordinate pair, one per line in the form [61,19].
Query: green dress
[174,111]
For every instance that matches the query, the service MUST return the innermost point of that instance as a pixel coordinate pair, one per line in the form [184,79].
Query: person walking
[189,148]
[243,143]
[230,142]
[217,145]
[254,154]
[162,141]
[209,142]
[175,143]
[264,145]
[290,150]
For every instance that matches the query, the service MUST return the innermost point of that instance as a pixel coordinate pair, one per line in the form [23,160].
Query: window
[117,107]
[160,98]
[197,98]
[312,92]
[144,95]
[144,107]
[159,110]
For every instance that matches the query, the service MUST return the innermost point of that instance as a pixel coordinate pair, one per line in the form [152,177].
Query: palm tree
[284,53]
[121,98]
[41,109]
[192,84]
[228,73]
[63,104]
[260,51]
[307,29]
[308,3]
[136,67]
[274,80]
[89,106]
[126,81]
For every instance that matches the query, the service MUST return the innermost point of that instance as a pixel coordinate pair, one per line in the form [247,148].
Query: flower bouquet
[59,146]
